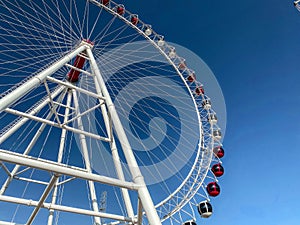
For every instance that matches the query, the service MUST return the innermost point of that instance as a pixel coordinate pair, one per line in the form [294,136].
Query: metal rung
[31,180]
[80,70]
[83,56]
[63,105]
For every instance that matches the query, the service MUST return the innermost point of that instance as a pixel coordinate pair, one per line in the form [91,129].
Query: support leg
[86,158]
[133,166]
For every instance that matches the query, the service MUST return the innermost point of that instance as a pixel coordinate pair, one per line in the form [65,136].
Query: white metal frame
[57,168]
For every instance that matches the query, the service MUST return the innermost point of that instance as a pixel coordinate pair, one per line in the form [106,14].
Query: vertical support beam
[137,177]
[60,155]
[140,213]
[16,94]
[115,154]
[86,158]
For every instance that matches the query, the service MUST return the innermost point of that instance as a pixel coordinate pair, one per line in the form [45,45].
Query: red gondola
[191,78]
[134,20]
[199,90]
[219,151]
[213,189]
[105,2]
[182,65]
[218,170]
[121,10]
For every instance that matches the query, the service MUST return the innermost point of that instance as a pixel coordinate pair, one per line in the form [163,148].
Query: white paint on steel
[29,202]
[137,177]
[85,152]
[54,167]
[115,154]
[16,94]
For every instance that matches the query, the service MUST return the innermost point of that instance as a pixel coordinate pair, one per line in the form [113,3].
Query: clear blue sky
[253,48]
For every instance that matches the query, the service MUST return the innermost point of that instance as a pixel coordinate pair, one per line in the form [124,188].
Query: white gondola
[190,222]
[172,53]
[212,118]
[206,104]
[217,134]
[161,42]
[148,30]
[205,209]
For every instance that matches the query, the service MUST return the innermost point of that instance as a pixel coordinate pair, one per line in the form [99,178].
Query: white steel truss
[63,121]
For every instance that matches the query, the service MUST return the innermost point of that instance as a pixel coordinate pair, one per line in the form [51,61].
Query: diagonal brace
[43,198]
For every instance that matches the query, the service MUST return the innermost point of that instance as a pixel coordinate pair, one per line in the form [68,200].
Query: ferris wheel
[102,122]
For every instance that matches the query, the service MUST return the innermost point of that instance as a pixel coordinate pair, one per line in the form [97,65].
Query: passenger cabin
[148,30]
[212,118]
[134,19]
[120,9]
[218,170]
[217,134]
[205,209]
[213,189]
[191,222]
[219,151]
[161,42]
[182,65]
[191,78]
[199,90]
[105,2]
[172,54]
[206,104]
